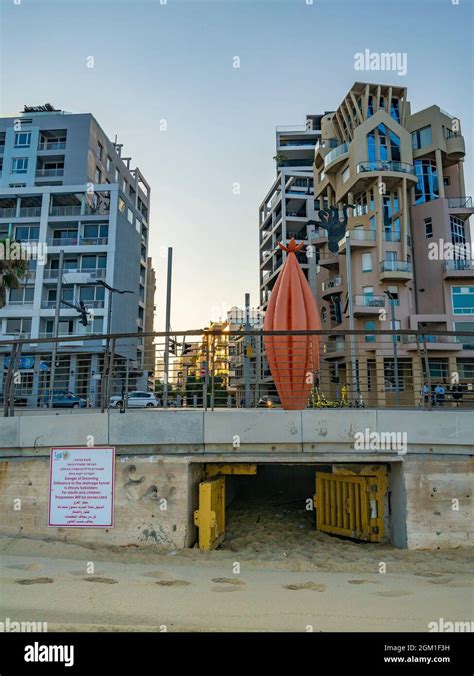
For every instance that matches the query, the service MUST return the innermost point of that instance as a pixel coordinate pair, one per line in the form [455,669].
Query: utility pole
[355,384]
[54,353]
[247,342]
[391,300]
[167,326]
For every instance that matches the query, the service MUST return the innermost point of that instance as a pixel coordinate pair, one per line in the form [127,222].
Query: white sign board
[81,487]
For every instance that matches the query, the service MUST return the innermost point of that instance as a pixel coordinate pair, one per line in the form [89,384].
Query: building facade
[403,174]
[66,186]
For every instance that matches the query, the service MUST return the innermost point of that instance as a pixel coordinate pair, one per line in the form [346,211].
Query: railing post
[109,374]
[206,374]
[8,406]
[103,382]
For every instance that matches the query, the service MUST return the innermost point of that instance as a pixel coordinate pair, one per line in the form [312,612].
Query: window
[446,181]
[90,294]
[369,325]
[17,185]
[124,186]
[22,295]
[24,233]
[19,165]
[468,344]
[391,256]
[395,110]
[462,298]
[324,314]
[23,139]
[393,290]
[98,175]
[427,188]
[130,216]
[346,174]
[368,290]
[96,230]
[428,228]
[458,237]
[19,326]
[109,163]
[421,138]
[99,151]
[366,262]
[117,176]
[121,205]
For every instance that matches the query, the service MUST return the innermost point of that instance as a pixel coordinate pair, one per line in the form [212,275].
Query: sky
[201,130]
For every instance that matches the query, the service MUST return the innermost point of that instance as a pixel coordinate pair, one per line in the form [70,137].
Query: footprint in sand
[227,580]
[26,566]
[363,582]
[442,580]
[173,583]
[104,580]
[393,593]
[231,588]
[36,580]
[428,574]
[313,586]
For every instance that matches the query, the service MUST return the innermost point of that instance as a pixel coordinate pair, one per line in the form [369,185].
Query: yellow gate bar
[231,468]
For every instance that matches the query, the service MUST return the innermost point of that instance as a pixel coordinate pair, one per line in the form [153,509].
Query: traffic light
[173,346]
[83,312]
[186,349]
[335,310]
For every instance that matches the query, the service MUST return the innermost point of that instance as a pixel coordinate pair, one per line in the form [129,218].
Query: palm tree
[11,274]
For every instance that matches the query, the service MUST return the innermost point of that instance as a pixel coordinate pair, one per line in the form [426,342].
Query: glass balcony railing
[402,167]
[332,283]
[460,264]
[43,173]
[340,150]
[63,241]
[460,202]
[68,210]
[335,346]
[362,234]
[30,212]
[368,300]
[52,145]
[98,273]
[391,236]
[8,212]
[396,266]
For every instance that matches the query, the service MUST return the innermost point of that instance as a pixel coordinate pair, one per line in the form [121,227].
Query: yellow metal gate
[210,517]
[350,505]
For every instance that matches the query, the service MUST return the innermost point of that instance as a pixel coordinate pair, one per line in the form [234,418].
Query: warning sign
[81,487]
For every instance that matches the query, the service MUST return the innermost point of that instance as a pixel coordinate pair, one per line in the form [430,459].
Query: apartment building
[66,185]
[403,172]
[289,203]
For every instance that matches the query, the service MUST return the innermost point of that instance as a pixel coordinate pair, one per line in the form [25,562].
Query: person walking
[439,395]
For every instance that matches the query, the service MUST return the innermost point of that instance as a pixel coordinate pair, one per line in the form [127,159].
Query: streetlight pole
[246,349]
[355,384]
[54,352]
[168,326]
[391,300]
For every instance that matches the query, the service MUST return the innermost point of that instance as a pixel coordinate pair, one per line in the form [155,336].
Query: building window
[22,295]
[19,326]
[124,186]
[109,163]
[23,139]
[19,165]
[427,188]
[17,185]
[27,233]
[462,298]
[421,138]
[98,175]
[121,205]
[99,151]
[395,110]
[428,228]
[446,181]
[367,262]
[458,237]
[130,216]
[466,370]
[369,325]
[117,176]
[346,174]
[393,291]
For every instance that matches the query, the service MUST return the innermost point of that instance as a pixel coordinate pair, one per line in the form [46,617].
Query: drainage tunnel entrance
[271,506]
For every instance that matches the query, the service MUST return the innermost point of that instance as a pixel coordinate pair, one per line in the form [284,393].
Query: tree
[11,272]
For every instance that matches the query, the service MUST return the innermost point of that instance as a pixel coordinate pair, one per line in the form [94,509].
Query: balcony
[47,173]
[427,342]
[62,241]
[361,238]
[401,270]
[8,212]
[461,206]
[93,241]
[332,285]
[339,153]
[319,236]
[459,269]
[382,166]
[367,304]
[71,273]
[30,212]
[455,147]
[392,236]
[70,210]
[52,145]
[335,348]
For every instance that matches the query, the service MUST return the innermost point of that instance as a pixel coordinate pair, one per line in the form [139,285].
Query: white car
[136,400]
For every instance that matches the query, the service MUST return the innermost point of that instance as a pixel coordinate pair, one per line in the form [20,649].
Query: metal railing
[230,368]
[396,266]
[459,264]
[332,282]
[460,202]
[50,172]
[335,153]
[382,165]
[369,300]
[52,145]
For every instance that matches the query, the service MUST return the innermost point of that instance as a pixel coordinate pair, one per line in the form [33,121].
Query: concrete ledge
[252,430]
[435,427]
[9,432]
[63,430]
[156,427]
[330,427]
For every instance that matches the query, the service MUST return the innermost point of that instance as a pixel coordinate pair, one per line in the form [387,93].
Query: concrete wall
[140,516]
[161,454]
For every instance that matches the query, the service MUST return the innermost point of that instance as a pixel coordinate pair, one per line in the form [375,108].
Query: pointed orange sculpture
[292,359]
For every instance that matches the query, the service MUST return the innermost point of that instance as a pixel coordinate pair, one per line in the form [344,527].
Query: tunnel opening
[279,506]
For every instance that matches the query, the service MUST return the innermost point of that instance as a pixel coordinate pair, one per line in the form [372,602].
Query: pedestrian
[425,395]
[439,394]
[456,394]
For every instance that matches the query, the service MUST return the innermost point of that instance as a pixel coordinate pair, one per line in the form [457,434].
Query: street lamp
[391,300]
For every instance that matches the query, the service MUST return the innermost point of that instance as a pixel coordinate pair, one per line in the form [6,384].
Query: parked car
[136,400]
[268,402]
[64,399]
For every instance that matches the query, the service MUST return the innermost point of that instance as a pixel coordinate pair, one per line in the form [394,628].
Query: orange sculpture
[292,359]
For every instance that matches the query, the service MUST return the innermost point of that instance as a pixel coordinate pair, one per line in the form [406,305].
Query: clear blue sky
[175,62]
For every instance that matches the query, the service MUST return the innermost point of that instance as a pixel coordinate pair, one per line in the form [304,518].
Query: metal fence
[229,368]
